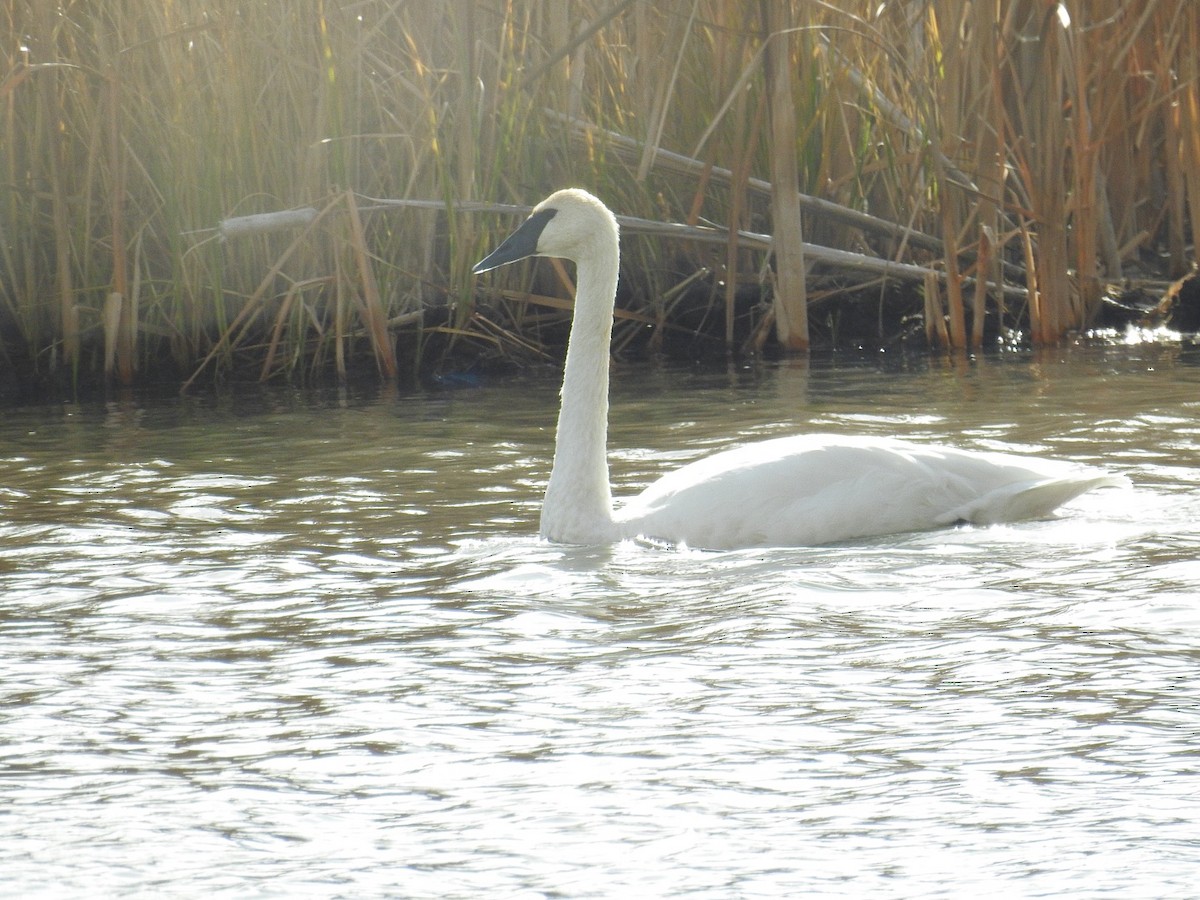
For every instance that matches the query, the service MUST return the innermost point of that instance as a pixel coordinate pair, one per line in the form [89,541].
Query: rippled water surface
[308,644]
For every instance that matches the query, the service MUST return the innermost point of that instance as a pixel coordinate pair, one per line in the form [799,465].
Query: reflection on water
[308,644]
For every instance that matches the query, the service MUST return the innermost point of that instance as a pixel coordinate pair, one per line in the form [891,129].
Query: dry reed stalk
[462,184]
[1086,206]
[340,314]
[954,296]
[665,95]
[281,320]
[10,255]
[285,309]
[68,310]
[991,170]
[1189,115]
[1133,113]
[111,322]
[936,333]
[130,318]
[732,252]
[227,339]
[739,189]
[790,297]
[1031,280]
[601,21]
[983,264]
[56,149]
[371,309]
[1176,198]
[738,204]
[127,327]
[1047,150]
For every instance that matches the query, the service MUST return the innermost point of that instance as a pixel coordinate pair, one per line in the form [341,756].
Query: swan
[791,491]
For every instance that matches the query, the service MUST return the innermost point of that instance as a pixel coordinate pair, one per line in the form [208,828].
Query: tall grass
[1053,144]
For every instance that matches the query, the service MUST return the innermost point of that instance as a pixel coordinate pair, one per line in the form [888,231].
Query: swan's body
[807,489]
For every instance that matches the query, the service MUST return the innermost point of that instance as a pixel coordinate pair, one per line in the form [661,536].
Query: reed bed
[203,188]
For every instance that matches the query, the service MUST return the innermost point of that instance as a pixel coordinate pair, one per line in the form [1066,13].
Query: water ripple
[351,669]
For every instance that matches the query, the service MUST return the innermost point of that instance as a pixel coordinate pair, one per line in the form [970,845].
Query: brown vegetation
[1002,161]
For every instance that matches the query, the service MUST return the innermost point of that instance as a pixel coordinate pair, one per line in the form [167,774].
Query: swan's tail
[1028,499]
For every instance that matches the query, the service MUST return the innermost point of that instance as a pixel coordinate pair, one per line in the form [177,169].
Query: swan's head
[570,223]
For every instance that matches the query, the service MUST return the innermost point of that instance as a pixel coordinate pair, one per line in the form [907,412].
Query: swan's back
[814,489]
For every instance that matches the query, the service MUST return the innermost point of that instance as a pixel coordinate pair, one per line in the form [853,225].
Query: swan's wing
[814,489]
[1029,500]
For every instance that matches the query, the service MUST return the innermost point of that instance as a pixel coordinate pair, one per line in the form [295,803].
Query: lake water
[292,643]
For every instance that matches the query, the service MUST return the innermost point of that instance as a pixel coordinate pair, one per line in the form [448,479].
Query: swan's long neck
[578,504]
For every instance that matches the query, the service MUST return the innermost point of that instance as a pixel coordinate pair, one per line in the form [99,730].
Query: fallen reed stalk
[676,162]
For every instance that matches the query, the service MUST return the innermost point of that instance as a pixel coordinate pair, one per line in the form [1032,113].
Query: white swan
[808,489]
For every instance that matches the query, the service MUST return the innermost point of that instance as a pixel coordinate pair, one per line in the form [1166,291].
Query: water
[306,644]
